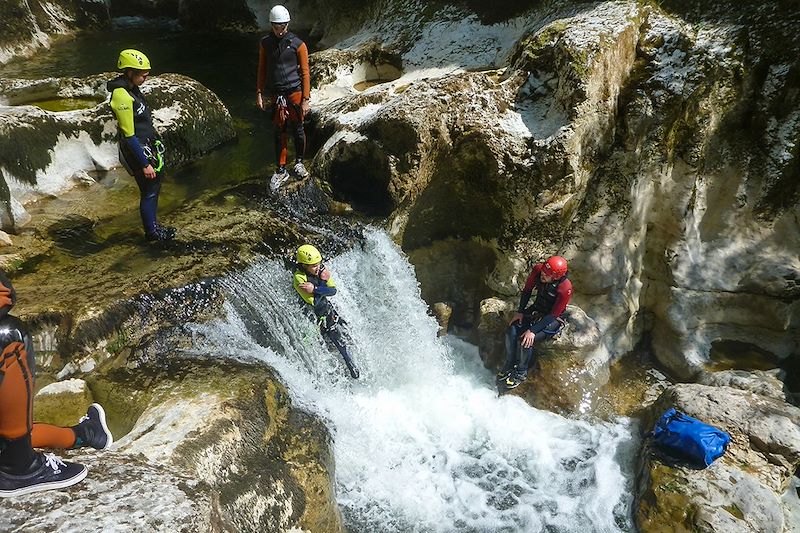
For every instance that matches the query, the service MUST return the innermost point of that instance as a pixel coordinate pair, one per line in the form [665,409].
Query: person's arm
[328,289]
[564,295]
[528,289]
[305,76]
[261,75]
[122,105]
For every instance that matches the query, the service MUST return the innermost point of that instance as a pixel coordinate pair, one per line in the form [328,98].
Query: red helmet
[555,266]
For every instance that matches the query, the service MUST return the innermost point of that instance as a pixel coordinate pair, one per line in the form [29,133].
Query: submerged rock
[46,152]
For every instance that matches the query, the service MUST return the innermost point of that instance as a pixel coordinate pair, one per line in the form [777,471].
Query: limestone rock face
[31,24]
[741,490]
[121,492]
[650,146]
[44,152]
[232,427]
[203,445]
[62,403]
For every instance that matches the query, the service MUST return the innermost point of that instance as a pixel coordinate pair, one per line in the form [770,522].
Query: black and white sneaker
[300,170]
[280,177]
[92,429]
[161,233]
[503,374]
[48,472]
[515,380]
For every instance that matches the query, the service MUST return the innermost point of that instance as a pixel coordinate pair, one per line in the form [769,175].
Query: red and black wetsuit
[283,71]
[551,299]
[540,318]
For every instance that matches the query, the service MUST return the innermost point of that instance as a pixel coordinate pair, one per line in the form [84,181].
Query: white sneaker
[279,178]
[299,170]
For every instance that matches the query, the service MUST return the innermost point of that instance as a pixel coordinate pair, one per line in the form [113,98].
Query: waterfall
[423,442]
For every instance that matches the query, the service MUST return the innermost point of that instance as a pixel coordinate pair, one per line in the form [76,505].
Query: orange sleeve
[305,73]
[261,77]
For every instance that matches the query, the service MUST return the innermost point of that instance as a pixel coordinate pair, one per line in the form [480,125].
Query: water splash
[422,442]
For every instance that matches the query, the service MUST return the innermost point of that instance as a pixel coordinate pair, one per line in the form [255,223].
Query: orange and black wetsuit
[283,72]
[18,434]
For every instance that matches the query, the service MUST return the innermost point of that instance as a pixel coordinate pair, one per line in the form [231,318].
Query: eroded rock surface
[652,146]
[31,24]
[741,491]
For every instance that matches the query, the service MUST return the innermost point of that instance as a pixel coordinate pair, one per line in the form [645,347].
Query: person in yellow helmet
[141,151]
[314,284]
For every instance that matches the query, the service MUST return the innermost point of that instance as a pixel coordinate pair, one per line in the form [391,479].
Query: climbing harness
[155,154]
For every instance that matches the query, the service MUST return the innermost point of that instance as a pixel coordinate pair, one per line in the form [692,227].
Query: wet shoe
[515,380]
[503,374]
[279,178]
[92,429]
[354,373]
[161,233]
[299,170]
[167,230]
[48,472]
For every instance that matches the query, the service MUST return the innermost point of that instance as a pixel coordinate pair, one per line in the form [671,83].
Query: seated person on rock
[538,322]
[140,148]
[22,469]
[314,284]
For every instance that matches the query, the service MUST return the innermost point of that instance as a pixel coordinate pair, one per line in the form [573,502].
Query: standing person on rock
[284,80]
[141,151]
[536,323]
[314,284]
[22,469]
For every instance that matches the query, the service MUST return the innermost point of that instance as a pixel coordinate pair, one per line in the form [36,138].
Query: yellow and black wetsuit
[137,138]
[326,315]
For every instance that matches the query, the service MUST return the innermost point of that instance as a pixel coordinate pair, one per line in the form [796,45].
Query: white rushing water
[423,442]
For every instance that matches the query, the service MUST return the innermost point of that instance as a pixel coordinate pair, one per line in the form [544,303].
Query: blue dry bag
[682,435]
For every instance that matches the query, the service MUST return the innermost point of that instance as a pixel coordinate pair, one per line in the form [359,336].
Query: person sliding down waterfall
[538,322]
[314,284]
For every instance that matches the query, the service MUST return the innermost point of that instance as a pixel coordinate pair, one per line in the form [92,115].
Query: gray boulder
[741,491]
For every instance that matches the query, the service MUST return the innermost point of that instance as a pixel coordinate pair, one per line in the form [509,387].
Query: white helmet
[279,15]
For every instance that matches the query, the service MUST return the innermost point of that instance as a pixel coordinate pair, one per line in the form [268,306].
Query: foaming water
[422,442]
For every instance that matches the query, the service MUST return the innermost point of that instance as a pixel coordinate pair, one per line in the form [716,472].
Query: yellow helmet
[308,255]
[131,58]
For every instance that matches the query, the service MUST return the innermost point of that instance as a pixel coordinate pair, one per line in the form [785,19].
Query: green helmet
[308,255]
[131,58]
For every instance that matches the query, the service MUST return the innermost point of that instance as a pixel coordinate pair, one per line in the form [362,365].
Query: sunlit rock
[121,492]
[62,403]
[233,428]
[646,148]
[741,490]
[764,383]
[44,152]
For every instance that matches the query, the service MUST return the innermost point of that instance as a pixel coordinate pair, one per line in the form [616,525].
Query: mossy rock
[62,403]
